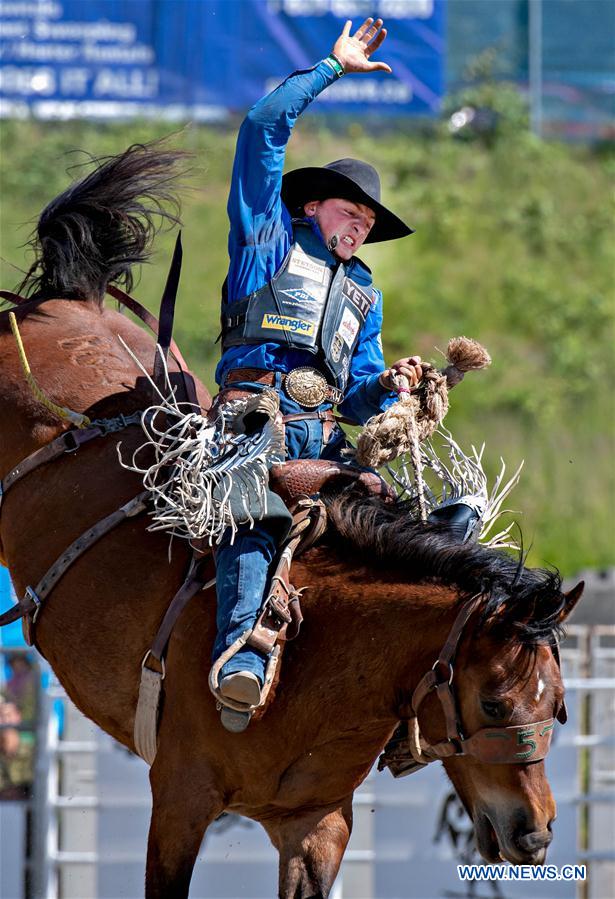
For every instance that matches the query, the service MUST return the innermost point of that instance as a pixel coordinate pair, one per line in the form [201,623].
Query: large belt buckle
[306,386]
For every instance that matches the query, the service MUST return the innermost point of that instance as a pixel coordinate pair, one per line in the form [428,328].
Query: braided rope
[417,414]
[388,435]
[413,418]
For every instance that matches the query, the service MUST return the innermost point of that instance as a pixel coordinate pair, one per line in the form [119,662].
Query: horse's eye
[494,708]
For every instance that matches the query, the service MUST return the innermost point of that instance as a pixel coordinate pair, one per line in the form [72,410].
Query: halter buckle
[71,444]
[30,594]
[434,668]
[161,674]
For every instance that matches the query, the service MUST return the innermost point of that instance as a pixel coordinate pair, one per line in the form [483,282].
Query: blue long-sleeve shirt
[261,235]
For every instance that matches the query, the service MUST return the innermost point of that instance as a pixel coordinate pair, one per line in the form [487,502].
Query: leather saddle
[307,477]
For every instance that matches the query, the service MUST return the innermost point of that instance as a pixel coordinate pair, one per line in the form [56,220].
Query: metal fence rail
[76,806]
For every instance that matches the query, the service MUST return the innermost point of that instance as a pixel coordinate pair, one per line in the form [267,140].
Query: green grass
[514,247]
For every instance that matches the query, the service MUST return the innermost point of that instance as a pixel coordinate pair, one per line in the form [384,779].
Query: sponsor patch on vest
[337,346]
[308,267]
[282,323]
[299,295]
[359,299]
[349,327]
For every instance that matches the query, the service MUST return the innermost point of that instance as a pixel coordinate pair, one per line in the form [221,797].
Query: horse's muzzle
[533,843]
[496,842]
[529,848]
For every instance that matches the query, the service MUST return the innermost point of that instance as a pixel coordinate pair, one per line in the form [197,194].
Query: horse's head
[505,695]
[487,708]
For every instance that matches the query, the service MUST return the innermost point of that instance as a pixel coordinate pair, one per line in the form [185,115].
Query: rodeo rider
[300,315]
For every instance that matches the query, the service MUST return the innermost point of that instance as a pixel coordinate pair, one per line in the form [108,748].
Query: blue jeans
[242,569]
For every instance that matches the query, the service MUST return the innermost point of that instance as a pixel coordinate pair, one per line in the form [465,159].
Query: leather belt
[322,415]
[327,393]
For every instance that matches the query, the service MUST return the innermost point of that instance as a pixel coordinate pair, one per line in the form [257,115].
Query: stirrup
[272,664]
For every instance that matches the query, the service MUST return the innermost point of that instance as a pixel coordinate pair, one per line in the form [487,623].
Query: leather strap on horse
[146,714]
[516,744]
[431,680]
[152,323]
[15,298]
[30,605]
[280,617]
[146,317]
[167,314]
[68,442]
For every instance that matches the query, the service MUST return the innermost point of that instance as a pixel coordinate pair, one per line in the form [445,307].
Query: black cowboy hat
[348,179]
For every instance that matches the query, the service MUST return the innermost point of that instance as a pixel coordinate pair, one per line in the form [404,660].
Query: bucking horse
[401,624]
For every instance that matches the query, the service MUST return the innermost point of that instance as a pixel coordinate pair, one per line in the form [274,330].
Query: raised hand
[354,52]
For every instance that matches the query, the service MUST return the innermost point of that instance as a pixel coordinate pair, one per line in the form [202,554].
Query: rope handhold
[417,413]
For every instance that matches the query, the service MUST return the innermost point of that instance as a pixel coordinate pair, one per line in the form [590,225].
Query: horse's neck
[388,631]
[410,630]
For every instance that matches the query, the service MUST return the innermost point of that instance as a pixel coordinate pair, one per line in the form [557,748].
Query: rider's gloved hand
[410,366]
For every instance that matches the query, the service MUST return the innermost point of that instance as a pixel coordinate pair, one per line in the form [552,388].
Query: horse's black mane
[96,230]
[522,601]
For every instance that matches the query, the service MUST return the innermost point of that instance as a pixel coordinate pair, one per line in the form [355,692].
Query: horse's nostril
[532,842]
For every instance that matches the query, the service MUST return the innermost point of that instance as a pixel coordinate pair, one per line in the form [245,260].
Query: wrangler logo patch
[282,323]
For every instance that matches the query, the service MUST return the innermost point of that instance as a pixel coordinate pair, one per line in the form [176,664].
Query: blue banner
[201,59]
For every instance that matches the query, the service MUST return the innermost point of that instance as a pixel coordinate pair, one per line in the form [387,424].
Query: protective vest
[310,304]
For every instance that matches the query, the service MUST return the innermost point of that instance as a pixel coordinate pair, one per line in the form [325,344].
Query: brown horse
[384,594]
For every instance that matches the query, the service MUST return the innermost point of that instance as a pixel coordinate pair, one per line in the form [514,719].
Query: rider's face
[350,222]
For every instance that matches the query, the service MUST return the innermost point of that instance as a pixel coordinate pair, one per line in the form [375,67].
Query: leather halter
[513,745]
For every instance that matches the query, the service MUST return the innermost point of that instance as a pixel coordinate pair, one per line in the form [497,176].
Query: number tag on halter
[520,743]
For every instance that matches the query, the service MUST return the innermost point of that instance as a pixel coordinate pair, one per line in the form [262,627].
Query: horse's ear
[572,598]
